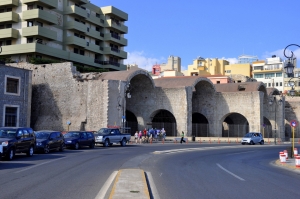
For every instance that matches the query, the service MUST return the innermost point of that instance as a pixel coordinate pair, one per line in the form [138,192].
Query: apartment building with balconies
[270,72]
[69,30]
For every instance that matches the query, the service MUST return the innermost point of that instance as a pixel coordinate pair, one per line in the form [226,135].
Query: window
[98,28]
[258,75]
[98,42]
[87,43]
[278,74]
[218,82]
[77,20]
[82,36]
[29,23]
[30,40]
[40,7]
[53,135]
[8,9]
[280,83]
[11,116]
[30,7]
[83,135]
[97,15]
[25,133]
[8,42]
[269,84]
[39,24]
[76,50]
[2,26]
[88,29]
[20,133]
[12,85]
[2,10]
[8,25]
[276,83]
[81,52]
[200,63]
[40,41]
[270,75]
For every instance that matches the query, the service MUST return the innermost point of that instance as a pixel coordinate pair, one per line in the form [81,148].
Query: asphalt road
[219,172]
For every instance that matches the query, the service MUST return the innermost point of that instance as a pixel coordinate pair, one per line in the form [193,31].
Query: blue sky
[210,29]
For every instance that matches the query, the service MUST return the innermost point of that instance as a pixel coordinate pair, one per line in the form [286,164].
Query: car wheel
[46,149]
[123,142]
[106,143]
[110,144]
[76,146]
[243,143]
[10,154]
[30,151]
[62,147]
[92,145]
[262,142]
[251,142]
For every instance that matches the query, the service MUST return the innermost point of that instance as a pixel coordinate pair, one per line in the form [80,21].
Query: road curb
[287,166]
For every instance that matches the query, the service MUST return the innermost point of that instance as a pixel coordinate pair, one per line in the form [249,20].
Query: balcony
[9,33]
[52,4]
[93,19]
[9,17]
[118,26]
[95,34]
[110,10]
[73,40]
[39,31]
[40,15]
[75,11]
[115,38]
[94,48]
[110,65]
[12,3]
[74,25]
[116,52]
[32,48]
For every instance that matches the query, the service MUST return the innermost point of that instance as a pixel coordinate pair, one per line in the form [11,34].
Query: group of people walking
[149,135]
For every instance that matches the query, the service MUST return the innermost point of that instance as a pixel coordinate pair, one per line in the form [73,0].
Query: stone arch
[140,74]
[203,85]
[261,87]
[131,122]
[234,125]
[199,125]
[164,119]
[267,128]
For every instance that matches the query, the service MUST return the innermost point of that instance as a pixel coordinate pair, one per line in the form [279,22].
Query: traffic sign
[294,123]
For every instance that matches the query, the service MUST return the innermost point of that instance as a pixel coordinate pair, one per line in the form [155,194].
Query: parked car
[109,136]
[253,138]
[17,140]
[77,139]
[49,140]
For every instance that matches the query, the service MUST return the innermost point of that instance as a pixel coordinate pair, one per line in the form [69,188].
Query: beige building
[204,67]
[238,69]
[68,30]
[174,63]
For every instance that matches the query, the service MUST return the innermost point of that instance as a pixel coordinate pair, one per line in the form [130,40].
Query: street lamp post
[276,103]
[289,69]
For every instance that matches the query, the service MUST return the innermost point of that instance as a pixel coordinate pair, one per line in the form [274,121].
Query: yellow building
[68,30]
[238,69]
[202,67]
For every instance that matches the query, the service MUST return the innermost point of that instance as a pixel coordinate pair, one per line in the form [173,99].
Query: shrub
[83,69]
[35,60]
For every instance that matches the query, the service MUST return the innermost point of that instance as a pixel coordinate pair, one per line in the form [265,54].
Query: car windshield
[7,133]
[248,135]
[72,135]
[41,135]
[103,132]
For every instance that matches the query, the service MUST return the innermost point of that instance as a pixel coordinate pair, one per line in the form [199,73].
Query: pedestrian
[145,132]
[140,137]
[155,134]
[136,137]
[182,137]
[163,133]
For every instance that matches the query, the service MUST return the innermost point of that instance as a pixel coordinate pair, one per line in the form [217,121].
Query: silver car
[252,138]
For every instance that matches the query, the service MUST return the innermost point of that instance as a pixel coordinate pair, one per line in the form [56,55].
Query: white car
[252,138]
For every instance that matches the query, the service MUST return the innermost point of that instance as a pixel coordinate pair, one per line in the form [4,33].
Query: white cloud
[231,60]
[279,53]
[142,60]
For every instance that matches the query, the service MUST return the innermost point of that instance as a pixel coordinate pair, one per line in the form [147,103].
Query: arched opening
[131,123]
[235,125]
[165,119]
[267,128]
[199,125]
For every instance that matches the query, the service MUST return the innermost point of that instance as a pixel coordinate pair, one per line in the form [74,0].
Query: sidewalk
[289,165]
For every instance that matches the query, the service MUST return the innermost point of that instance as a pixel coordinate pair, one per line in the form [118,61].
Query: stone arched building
[133,99]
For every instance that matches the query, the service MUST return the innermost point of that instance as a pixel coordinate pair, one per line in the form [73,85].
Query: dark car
[77,139]
[17,140]
[49,140]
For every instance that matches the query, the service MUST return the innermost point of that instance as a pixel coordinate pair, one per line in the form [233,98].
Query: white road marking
[152,186]
[37,165]
[190,149]
[101,194]
[230,172]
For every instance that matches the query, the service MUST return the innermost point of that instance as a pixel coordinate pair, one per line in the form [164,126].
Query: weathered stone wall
[292,112]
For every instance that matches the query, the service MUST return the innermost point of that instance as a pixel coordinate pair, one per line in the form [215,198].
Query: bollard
[297,161]
[285,153]
[209,141]
[295,151]
[200,141]
[282,158]
[187,140]
[280,153]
